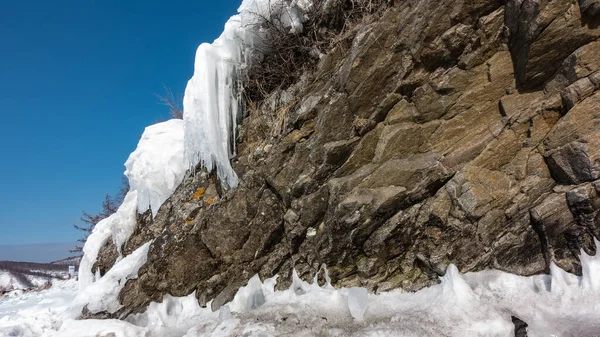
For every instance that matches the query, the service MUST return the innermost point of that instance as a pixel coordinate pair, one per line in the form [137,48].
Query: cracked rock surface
[464,132]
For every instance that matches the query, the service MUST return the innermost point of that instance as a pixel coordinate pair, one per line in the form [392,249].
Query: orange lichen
[210,201]
[198,194]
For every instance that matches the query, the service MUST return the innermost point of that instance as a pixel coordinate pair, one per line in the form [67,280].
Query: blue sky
[77,87]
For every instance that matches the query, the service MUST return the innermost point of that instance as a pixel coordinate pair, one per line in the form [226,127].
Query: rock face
[445,131]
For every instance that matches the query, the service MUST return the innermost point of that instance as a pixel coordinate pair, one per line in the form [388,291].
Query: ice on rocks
[103,294]
[249,297]
[157,167]
[119,226]
[211,103]
[358,300]
[472,304]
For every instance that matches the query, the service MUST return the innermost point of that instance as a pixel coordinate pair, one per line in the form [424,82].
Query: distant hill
[24,275]
[71,261]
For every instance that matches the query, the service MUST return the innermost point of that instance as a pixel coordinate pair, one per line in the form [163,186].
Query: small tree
[109,206]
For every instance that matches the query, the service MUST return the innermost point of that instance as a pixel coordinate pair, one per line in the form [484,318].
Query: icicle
[212,96]
[97,276]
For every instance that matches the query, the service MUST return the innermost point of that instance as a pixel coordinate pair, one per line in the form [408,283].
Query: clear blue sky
[77,86]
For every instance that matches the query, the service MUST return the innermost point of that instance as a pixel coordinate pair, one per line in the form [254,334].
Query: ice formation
[119,226]
[358,299]
[473,304]
[103,294]
[211,103]
[156,167]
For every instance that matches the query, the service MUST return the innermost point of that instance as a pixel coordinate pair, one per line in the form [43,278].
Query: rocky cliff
[438,132]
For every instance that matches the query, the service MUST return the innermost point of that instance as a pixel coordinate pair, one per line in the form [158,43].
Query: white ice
[103,294]
[211,103]
[473,304]
[34,314]
[117,226]
[156,167]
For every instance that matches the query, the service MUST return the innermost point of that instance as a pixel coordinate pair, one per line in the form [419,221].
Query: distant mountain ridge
[25,275]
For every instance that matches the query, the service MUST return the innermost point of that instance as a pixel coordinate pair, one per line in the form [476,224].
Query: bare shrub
[174,104]
[284,56]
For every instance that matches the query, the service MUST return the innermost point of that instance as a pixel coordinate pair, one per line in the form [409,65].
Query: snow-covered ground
[474,304]
[21,280]
[7,279]
[36,313]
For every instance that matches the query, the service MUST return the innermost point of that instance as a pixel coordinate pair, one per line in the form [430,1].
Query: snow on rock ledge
[119,226]
[103,294]
[211,102]
[156,167]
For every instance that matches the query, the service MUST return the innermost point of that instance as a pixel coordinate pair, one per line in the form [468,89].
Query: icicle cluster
[211,103]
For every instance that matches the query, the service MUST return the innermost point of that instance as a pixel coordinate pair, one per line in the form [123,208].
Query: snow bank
[119,226]
[34,314]
[474,304]
[103,294]
[156,167]
[211,103]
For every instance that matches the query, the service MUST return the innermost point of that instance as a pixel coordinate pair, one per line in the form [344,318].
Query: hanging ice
[211,103]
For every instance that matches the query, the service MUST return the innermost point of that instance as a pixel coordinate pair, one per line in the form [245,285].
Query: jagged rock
[442,132]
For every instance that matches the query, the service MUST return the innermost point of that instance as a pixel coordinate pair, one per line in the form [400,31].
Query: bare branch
[174,105]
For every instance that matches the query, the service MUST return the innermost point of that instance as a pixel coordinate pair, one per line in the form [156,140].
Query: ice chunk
[103,295]
[590,266]
[156,167]
[299,287]
[358,300]
[249,297]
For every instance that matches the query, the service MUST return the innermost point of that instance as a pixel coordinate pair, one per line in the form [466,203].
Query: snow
[211,103]
[156,167]
[473,304]
[8,279]
[103,294]
[34,314]
[154,170]
[119,226]
[98,327]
